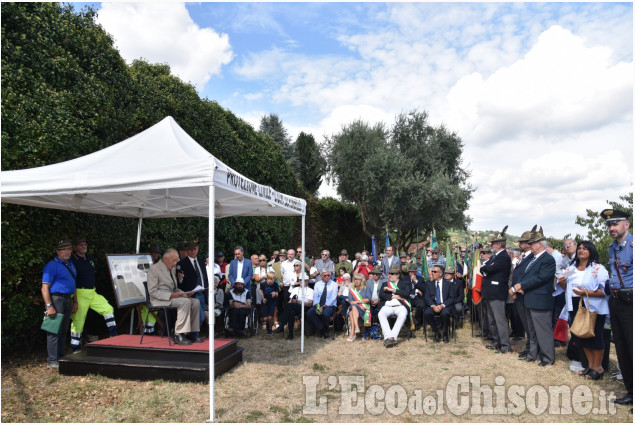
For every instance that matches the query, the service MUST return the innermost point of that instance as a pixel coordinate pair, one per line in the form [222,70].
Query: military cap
[501,237]
[344,252]
[154,247]
[64,243]
[191,243]
[613,216]
[486,248]
[375,271]
[182,245]
[79,239]
[449,270]
[412,267]
[436,250]
[394,269]
[402,255]
[537,236]
[282,252]
[525,236]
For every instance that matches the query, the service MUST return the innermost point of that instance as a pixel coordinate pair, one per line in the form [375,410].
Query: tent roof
[160,172]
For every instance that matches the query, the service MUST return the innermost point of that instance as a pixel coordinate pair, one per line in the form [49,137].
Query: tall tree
[404,179]
[272,126]
[311,162]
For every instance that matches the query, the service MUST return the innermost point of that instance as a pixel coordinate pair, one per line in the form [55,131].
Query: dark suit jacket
[537,282]
[189,274]
[412,285]
[448,290]
[496,277]
[517,273]
[403,291]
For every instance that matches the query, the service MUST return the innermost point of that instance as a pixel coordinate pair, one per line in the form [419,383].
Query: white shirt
[288,274]
[239,269]
[297,291]
[440,283]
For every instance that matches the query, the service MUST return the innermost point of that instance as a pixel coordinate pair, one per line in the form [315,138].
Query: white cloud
[165,33]
[560,87]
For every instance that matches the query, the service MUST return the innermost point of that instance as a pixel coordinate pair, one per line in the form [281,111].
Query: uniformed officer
[621,295]
[87,296]
[58,292]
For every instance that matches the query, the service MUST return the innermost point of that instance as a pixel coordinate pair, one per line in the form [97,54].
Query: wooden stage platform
[123,357]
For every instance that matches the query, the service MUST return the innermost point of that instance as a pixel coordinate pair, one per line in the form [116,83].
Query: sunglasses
[435,271]
[296,265]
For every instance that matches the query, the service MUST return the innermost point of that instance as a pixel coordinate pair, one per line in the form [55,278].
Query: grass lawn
[268,387]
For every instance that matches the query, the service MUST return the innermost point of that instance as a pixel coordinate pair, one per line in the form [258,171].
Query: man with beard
[239,306]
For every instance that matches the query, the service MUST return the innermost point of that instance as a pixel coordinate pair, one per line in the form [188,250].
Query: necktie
[199,276]
[323,296]
[438,294]
[532,262]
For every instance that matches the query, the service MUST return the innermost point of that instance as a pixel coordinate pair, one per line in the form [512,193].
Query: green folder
[52,325]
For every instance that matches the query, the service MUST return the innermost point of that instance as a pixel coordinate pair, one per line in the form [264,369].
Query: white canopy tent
[160,172]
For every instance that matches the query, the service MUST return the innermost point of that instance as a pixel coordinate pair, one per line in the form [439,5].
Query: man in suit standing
[194,274]
[494,290]
[516,274]
[388,261]
[163,290]
[440,297]
[536,284]
[239,267]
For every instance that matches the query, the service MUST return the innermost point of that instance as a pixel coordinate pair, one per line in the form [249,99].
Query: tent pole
[139,234]
[303,287]
[136,251]
[211,296]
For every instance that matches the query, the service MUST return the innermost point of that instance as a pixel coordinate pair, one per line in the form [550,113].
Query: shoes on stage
[181,340]
[627,399]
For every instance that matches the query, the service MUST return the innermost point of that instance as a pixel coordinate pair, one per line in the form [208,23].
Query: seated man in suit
[292,309]
[324,303]
[416,295]
[374,285]
[440,297]
[163,290]
[393,296]
[194,272]
[239,306]
[450,275]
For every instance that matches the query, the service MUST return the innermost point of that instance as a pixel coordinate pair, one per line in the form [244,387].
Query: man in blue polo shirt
[58,292]
[87,296]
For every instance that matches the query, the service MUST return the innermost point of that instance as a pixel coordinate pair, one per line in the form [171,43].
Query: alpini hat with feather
[537,236]
[501,237]
[526,235]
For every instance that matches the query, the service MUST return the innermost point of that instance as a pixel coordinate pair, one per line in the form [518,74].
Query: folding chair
[151,308]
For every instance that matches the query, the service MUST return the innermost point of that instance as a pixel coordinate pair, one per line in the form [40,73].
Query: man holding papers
[163,290]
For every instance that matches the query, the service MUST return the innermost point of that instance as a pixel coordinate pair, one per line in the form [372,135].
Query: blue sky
[540,93]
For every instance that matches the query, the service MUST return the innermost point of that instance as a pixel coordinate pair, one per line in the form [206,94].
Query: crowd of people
[513,293]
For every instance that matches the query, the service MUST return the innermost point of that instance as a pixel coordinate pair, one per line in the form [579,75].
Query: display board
[129,275]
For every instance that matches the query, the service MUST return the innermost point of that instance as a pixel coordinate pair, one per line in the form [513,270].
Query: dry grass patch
[270,379]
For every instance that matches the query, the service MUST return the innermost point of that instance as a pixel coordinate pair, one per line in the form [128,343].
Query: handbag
[583,325]
[52,325]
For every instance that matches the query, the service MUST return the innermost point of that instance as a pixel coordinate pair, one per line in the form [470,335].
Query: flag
[433,242]
[425,272]
[561,330]
[373,249]
[477,279]
[388,244]
[449,258]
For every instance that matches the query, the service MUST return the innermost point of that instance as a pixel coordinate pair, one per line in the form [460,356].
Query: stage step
[121,357]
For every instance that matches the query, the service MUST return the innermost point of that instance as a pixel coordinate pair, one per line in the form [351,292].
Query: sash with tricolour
[405,302]
[366,306]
